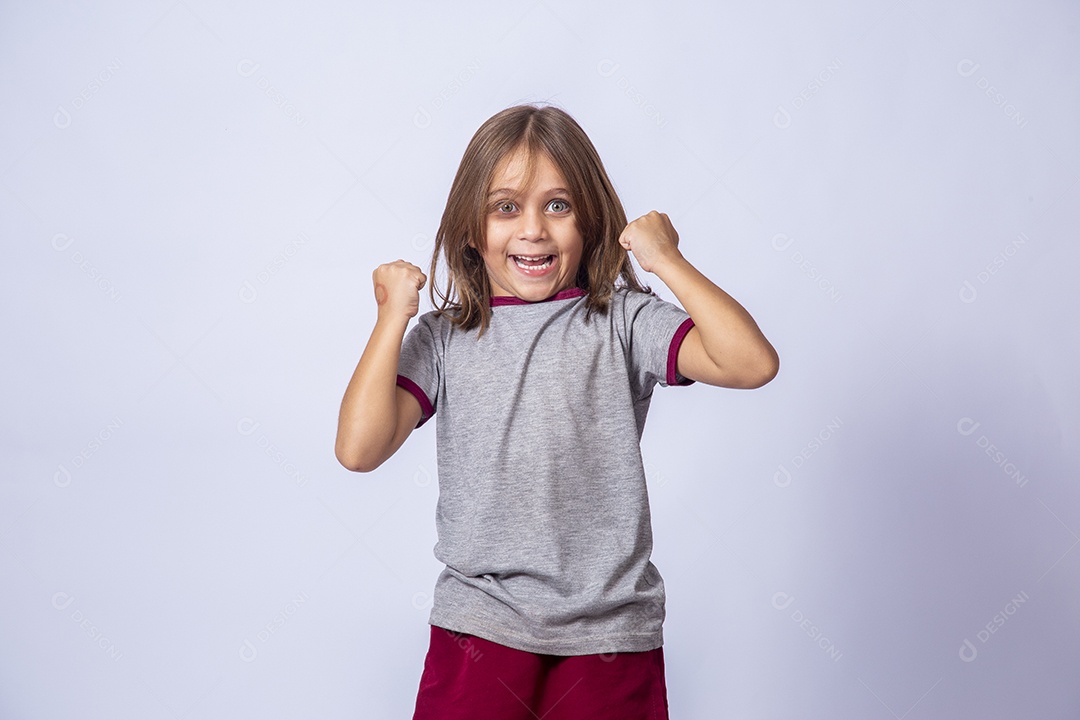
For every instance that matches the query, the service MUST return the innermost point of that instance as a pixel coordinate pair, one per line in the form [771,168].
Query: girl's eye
[561,206]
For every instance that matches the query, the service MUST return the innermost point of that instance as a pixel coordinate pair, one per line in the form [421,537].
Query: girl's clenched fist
[397,288]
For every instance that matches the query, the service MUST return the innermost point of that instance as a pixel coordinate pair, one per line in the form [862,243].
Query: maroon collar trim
[564,294]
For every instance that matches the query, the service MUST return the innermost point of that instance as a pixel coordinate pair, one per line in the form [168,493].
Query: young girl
[540,367]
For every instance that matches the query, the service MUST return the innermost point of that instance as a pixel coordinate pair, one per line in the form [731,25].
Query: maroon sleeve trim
[426,408]
[673,354]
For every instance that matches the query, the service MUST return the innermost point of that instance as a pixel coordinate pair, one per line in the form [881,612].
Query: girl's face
[533,243]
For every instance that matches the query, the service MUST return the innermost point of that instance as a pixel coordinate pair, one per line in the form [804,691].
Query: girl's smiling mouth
[534,265]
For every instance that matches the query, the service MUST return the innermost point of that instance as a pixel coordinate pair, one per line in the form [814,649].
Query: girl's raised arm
[376,415]
[725,347]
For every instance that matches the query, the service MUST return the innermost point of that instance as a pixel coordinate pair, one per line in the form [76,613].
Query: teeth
[533,257]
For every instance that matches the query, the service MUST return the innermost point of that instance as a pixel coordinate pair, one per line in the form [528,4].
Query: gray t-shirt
[543,514]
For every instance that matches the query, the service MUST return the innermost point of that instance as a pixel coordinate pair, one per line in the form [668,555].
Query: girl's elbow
[765,371]
[355,461]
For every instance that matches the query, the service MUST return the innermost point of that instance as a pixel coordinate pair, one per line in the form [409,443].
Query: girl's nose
[532,223]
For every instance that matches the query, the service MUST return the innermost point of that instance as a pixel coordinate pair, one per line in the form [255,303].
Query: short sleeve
[420,364]
[655,330]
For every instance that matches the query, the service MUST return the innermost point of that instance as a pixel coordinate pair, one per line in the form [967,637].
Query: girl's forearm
[368,417]
[728,333]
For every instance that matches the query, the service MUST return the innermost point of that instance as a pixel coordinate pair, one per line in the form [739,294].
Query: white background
[193,196]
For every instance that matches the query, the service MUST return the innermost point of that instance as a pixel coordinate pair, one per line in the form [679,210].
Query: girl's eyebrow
[510,191]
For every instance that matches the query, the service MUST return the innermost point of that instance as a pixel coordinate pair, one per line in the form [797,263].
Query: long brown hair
[599,213]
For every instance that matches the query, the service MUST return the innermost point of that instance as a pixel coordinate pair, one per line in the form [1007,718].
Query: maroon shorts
[466,676]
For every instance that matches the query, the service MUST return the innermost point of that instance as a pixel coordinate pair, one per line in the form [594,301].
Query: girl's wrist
[392,318]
